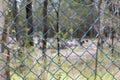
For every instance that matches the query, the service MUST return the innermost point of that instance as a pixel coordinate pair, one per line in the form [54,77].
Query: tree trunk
[114,8]
[44,40]
[5,56]
[99,37]
[15,18]
[29,21]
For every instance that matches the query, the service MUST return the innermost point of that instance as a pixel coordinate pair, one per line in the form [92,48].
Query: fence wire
[60,40]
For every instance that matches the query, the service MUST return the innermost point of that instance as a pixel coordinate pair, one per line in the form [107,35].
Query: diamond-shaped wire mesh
[60,40]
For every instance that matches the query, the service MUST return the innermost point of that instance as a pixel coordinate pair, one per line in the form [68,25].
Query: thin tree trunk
[57,25]
[57,30]
[58,36]
[29,21]
[113,7]
[44,40]
[15,18]
[5,56]
[99,37]
[111,37]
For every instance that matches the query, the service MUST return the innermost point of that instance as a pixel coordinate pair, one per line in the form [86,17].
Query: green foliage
[81,1]
[78,1]
[13,31]
[65,35]
[21,54]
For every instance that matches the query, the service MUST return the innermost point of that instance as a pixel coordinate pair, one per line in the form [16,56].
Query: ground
[74,63]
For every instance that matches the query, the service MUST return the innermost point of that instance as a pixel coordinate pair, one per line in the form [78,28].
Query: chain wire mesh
[60,40]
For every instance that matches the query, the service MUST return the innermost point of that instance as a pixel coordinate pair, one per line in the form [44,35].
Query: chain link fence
[59,40]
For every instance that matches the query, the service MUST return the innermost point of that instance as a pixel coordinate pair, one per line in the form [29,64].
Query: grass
[78,68]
